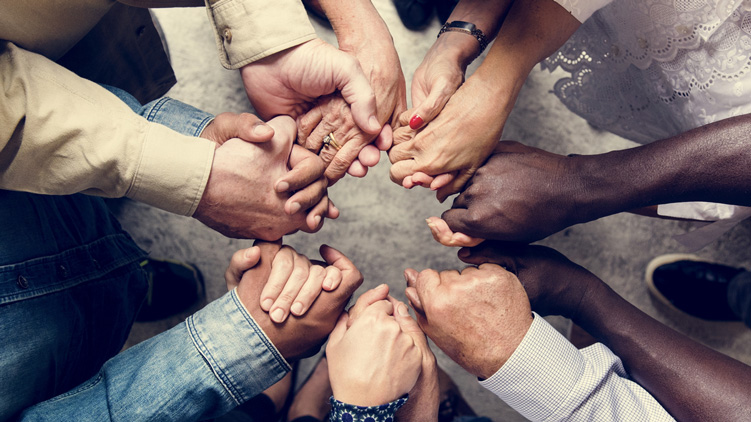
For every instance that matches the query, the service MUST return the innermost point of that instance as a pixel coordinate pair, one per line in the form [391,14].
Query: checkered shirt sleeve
[548,379]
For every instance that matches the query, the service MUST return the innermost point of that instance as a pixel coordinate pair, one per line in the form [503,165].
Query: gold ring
[330,140]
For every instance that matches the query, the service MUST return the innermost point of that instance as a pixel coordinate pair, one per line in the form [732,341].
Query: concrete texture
[382,226]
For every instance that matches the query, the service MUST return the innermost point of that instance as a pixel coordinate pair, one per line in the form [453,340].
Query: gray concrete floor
[382,226]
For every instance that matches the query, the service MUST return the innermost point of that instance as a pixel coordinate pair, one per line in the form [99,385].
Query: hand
[288,82]
[245,126]
[247,194]
[361,33]
[358,150]
[294,282]
[554,285]
[298,337]
[443,234]
[375,360]
[521,194]
[477,317]
[458,141]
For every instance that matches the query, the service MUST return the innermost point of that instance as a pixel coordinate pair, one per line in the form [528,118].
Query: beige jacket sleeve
[61,134]
[249,30]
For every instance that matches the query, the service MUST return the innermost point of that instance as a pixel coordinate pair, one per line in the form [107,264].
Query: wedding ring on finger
[330,140]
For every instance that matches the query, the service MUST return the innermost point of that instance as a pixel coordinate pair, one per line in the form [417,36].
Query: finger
[385,138]
[315,217]
[355,89]
[409,326]
[426,111]
[333,211]
[458,220]
[350,273]
[402,169]
[305,126]
[309,291]
[453,187]
[356,169]
[281,268]
[307,198]
[241,261]
[422,179]
[369,155]
[445,236]
[402,135]
[282,305]
[332,278]
[402,151]
[366,299]
[410,276]
[285,131]
[305,168]
[245,126]
[496,252]
[442,180]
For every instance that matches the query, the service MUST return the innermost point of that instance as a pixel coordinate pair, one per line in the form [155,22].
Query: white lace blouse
[650,69]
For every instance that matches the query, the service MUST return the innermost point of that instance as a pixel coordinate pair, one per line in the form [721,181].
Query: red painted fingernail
[415,122]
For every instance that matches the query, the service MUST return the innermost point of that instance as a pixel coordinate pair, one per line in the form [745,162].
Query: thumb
[426,110]
[355,89]
[245,126]
[454,186]
[285,131]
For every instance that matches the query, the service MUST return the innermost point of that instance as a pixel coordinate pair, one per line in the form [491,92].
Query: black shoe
[173,288]
[693,286]
[444,8]
[414,14]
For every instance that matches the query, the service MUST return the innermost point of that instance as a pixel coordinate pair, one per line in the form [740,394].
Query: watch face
[461,24]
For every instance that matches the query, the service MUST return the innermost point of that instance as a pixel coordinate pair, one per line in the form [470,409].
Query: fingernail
[295,207]
[328,284]
[317,220]
[282,187]
[401,309]
[430,223]
[263,130]
[373,122]
[277,315]
[415,122]
[248,253]
[297,308]
[405,277]
[266,305]
[464,252]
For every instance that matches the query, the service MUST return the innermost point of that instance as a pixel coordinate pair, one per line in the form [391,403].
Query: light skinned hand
[298,337]
[248,191]
[374,361]
[477,317]
[520,194]
[443,234]
[289,82]
[457,141]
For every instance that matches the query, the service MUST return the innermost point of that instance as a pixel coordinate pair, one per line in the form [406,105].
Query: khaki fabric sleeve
[61,134]
[249,30]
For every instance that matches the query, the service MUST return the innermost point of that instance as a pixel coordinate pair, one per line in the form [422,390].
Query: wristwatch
[467,28]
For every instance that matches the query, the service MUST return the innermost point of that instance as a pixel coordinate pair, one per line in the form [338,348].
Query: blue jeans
[70,288]
[739,296]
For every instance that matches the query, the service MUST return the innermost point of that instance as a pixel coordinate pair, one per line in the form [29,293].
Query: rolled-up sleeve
[249,30]
[61,134]
[548,379]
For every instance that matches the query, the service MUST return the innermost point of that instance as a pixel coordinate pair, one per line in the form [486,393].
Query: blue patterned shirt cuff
[343,412]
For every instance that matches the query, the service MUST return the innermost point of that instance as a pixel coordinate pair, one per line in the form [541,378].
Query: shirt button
[227,35]
[22,282]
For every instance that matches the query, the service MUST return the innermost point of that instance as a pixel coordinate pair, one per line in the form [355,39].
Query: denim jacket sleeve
[219,358]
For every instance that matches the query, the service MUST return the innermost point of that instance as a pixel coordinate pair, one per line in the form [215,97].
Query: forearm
[531,31]
[710,163]
[693,382]
[357,24]
[219,358]
[61,134]
[486,16]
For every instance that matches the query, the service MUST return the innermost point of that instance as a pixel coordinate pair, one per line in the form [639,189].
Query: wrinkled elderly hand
[521,194]
[289,82]
[457,142]
[375,359]
[249,191]
[477,317]
[294,282]
[554,284]
[298,337]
